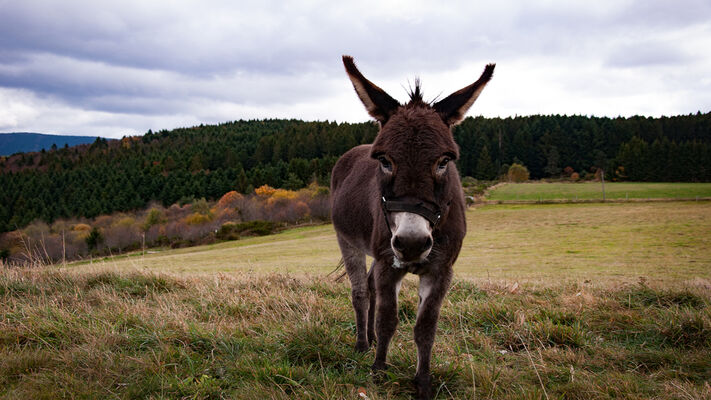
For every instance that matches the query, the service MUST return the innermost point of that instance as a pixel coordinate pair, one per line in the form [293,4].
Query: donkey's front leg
[354,261]
[432,290]
[371,305]
[387,285]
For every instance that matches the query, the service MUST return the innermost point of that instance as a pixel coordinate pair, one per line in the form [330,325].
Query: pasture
[668,242]
[589,301]
[542,191]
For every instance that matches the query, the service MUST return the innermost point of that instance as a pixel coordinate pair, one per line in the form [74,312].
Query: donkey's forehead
[417,129]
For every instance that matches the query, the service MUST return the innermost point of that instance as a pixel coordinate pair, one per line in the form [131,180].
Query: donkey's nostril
[397,243]
[428,244]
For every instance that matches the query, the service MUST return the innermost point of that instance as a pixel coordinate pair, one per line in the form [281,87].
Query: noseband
[430,212]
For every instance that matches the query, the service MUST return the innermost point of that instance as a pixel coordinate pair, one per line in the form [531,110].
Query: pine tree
[552,167]
[485,169]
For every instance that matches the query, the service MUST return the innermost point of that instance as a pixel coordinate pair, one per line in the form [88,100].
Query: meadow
[542,191]
[578,301]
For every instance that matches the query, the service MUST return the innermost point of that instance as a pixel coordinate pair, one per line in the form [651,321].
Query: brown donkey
[400,201]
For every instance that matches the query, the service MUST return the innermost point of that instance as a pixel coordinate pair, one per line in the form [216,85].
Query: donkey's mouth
[400,262]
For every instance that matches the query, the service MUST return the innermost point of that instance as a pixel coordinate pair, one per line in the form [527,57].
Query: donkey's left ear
[378,103]
[453,107]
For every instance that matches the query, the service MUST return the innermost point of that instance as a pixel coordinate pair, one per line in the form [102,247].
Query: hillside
[210,160]
[23,142]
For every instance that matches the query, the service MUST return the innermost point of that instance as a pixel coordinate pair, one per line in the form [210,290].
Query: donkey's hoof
[362,347]
[423,387]
[377,372]
[378,366]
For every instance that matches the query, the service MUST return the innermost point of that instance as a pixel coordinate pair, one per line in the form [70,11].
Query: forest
[207,161]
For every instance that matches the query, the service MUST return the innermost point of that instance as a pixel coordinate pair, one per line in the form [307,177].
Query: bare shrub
[103,221]
[75,244]
[155,232]
[223,215]
[320,207]
[175,212]
[123,234]
[252,210]
[318,200]
[173,229]
[194,233]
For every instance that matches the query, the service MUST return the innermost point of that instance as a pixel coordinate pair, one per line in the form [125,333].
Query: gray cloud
[131,65]
[647,53]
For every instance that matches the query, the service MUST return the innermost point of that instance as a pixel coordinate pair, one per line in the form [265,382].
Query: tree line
[207,161]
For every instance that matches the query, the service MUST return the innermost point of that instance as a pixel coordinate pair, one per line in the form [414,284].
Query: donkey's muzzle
[412,248]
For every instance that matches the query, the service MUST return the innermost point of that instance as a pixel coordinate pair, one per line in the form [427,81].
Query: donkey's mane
[416,96]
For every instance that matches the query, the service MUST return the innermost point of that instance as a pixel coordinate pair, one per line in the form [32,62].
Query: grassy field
[668,242]
[575,301]
[541,191]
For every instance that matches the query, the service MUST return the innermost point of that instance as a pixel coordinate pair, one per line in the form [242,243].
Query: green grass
[666,242]
[575,301]
[541,191]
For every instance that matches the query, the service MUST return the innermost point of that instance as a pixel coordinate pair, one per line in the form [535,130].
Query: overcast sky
[120,68]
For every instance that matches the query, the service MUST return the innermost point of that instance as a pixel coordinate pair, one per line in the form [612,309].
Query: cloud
[646,53]
[114,67]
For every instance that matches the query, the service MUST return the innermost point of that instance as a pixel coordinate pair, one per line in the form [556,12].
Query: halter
[430,212]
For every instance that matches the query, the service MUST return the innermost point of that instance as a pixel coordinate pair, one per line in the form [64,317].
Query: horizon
[356,122]
[699,112]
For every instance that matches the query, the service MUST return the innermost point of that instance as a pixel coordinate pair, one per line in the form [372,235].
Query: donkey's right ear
[378,103]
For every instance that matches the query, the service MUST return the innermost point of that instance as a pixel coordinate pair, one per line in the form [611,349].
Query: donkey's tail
[340,265]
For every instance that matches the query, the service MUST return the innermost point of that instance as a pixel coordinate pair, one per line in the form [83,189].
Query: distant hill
[207,161]
[11,143]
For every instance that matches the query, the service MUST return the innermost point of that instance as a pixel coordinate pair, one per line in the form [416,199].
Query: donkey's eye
[443,163]
[385,164]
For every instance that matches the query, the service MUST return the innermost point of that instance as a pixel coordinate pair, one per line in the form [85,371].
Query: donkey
[400,201]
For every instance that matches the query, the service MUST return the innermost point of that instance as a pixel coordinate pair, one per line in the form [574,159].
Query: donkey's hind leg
[354,261]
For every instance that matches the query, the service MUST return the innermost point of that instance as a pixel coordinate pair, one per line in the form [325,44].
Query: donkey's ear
[378,103]
[453,107]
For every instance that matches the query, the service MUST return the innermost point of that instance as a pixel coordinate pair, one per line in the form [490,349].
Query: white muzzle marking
[409,225]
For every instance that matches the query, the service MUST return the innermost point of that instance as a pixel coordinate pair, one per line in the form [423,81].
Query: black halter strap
[430,212]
